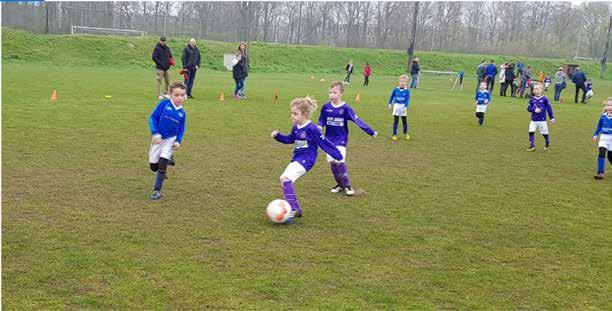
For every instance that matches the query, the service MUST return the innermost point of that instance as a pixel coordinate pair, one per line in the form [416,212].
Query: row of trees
[516,28]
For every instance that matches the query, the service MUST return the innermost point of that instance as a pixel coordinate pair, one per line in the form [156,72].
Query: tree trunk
[604,59]
[414,29]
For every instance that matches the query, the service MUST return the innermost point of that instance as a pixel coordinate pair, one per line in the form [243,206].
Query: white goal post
[84,30]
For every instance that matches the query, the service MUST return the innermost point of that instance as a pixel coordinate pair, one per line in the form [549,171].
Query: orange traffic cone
[54,95]
[358,97]
[221,97]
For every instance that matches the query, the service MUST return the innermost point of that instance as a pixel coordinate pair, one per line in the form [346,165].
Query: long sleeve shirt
[335,120]
[400,96]
[544,106]
[307,139]
[483,97]
[604,126]
[168,120]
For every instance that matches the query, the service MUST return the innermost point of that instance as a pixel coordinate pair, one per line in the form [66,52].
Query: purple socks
[341,175]
[289,193]
[532,139]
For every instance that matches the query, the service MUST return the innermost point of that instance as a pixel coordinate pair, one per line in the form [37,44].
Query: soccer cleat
[172,162]
[349,191]
[531,148]
[547,148]
[336,189]
[599,176]
[156,195]
[189,96]
[407,136]
[394,137]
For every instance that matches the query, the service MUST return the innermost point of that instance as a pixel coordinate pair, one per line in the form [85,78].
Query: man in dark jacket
[579,78]
[161,57]
[481,73]
[414,72]
[491,74]
[191,63]
[239,73]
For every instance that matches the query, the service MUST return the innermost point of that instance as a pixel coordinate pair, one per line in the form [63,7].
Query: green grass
[129,52]
[460,217]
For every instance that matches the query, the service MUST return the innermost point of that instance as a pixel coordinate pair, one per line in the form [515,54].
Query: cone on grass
[54,95]
[358,97]
[221,97]
[322,80]
[276,94]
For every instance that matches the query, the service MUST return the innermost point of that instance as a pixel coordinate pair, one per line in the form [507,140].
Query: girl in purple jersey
[307,138]
[334,117]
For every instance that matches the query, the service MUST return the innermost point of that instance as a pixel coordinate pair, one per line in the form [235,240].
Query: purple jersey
[335,120]
[307,138]
[545,107]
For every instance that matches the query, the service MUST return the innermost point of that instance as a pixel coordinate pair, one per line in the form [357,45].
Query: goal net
[84,30]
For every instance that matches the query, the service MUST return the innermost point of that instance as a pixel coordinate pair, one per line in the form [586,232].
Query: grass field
[459,217]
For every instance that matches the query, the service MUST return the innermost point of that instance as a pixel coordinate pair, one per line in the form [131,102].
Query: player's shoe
[171,162]
[599,176]
[336,189]
[547,148]
[532,148]
[394,137]
[156,195]
[407,136]
[349,191]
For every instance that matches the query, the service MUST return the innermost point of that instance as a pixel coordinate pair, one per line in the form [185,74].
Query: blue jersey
[335,120]
[483,97]
[400,96]
[545,107]
[491,70]
[168,120]
[589,86]
[604,126]
[307,138]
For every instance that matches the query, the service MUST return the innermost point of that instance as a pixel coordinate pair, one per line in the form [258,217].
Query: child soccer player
[399,101]
[167,124]
[589,88]
[483,97]
[334,117]
[547,81]
[307,137]
[539,107]
[604,128]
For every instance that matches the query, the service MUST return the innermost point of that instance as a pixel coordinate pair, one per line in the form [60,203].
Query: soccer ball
[279,211]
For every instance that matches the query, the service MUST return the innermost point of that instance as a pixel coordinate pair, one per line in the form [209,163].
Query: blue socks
[159,180]
[601,163]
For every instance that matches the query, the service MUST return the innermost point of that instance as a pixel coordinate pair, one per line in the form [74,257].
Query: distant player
[547,81]
[307,138]
[334,118]
[483,98]
[399,102]
[589,88]
[167,125]
[539,107]
[604,132]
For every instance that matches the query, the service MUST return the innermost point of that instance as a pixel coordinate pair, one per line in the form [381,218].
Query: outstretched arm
[326,145]
[285,139]
[362,125]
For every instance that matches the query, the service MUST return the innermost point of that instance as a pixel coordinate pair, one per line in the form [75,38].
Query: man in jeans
[191,63]
[162,58]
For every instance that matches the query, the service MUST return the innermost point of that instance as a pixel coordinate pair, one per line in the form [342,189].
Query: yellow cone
[358,97]
[221,97]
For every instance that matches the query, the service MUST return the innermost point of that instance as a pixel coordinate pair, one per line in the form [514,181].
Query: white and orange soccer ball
[279,211]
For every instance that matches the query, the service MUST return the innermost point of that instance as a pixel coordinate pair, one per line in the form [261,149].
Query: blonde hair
[403,77]
[177,85]
[607,102]
[306,105]
[337,84]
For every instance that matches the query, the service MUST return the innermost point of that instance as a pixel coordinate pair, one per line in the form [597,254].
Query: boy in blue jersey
[167,125]
[483,98]
[604,132]
[399,102]
[539,107]
[335,115]
[589,88]
[307,137]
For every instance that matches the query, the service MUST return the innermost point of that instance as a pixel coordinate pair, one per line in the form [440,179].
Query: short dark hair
[162,38]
